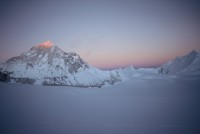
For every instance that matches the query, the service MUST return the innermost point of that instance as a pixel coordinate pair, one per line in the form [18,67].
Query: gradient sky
[105,33]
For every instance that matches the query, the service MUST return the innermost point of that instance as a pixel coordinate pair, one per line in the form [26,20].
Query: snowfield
[145,104]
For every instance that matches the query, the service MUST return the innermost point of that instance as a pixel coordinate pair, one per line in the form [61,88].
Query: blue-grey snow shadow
[149,106]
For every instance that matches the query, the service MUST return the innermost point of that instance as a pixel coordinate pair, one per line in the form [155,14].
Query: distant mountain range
[47,64]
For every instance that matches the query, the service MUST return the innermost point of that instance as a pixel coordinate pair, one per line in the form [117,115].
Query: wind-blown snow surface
[141,105]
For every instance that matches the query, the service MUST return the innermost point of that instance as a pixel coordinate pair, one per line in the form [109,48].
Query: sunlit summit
[46,44]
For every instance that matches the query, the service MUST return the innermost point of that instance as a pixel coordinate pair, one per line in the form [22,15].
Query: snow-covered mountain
[188,64]
[47,64]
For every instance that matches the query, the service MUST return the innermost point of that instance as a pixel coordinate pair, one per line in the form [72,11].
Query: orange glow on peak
[46,44]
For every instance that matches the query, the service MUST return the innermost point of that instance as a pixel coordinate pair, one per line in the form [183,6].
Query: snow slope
[186,65]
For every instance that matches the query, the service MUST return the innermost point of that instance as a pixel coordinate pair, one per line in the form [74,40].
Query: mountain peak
[46,44]
[193,52]
[184,64]
[47,64]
